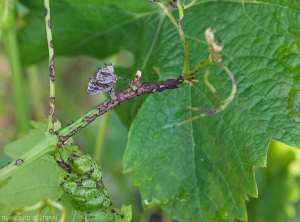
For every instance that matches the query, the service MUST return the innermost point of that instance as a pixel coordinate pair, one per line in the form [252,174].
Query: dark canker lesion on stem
[136,89]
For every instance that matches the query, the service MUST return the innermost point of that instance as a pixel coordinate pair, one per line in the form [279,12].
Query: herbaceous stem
[12,50]
[137,88]
[51,67]
[178,26]
[45,146]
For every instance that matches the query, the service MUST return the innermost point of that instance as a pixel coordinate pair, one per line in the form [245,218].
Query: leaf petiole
[46,145]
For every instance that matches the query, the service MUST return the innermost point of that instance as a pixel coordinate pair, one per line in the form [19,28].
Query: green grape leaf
[201,171]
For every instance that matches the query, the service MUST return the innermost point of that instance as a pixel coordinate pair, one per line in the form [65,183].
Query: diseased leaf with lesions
[37,181]
[41,180]
[201,171]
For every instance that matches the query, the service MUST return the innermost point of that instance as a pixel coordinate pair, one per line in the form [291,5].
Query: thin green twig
[51,67]
[190,4]
[214,49]
[223,103]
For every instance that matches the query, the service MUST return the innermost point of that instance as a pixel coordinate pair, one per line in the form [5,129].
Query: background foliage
[202,171]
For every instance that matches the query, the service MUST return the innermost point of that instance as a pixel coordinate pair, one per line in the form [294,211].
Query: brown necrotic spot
[63,165]
[46,12]
[112,104]
[101,108]
[63,138]
[99,184]
[50,110]
[51,44]
[19,162]
[49,24]
[51,73]
[89,119]
[52,61]
[52,100]
[50,130]
[79,184]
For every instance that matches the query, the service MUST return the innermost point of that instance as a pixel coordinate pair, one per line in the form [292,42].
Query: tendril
[41,205]
[214,57]
[214,49]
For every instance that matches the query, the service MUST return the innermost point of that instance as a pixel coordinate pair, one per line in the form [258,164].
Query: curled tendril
[41,205]
[214,50]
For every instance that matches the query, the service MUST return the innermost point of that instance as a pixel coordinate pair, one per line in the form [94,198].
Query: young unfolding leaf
[83,184]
